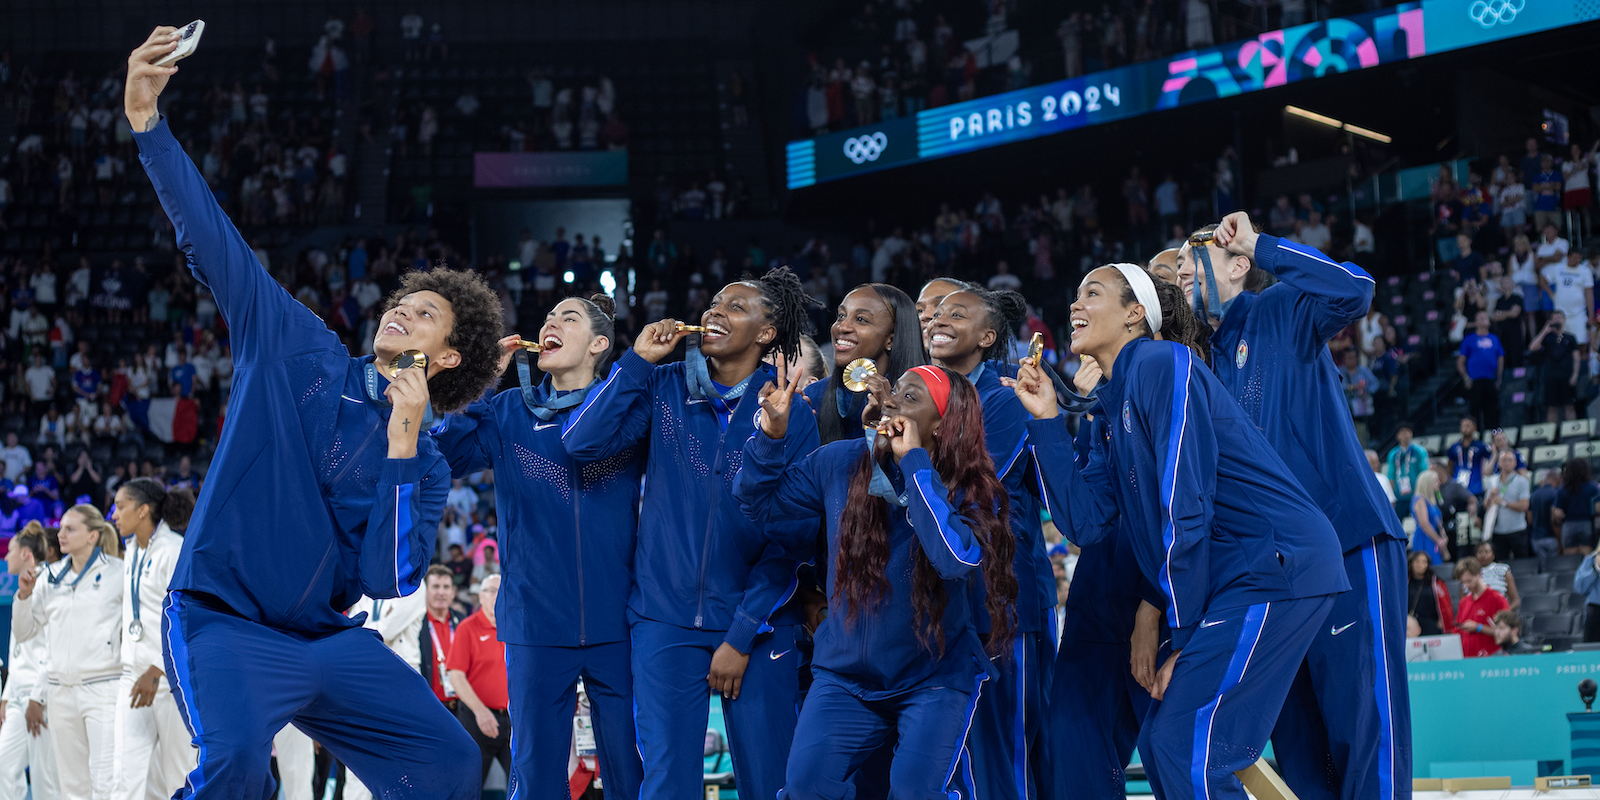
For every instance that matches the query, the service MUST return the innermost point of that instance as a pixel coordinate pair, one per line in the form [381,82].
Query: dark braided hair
[1178,322]
[1008,310]
[788,309]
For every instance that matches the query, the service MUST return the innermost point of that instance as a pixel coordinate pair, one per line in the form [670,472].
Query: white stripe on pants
[297,762]
[20,750]
[83,728]
[153,751]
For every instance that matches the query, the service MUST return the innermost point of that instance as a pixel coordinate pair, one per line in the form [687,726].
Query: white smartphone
[188,40]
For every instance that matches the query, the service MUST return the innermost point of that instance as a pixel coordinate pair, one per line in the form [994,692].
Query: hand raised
[657,340]
[146,81]
[1236,235]
[904,436]
[1088,377]
[409,395]
[508,350]
[777,398]
[878,390]
[1035,390]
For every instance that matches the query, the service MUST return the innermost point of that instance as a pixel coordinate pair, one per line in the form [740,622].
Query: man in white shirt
[462,498]
[24,741]
[41,382]
[16,458]
[1571,287]
[1314,234]
[1003,280]
[1550,249]
[1509,493]
[153,753]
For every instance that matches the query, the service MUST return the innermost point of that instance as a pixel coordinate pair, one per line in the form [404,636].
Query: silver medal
[136,630]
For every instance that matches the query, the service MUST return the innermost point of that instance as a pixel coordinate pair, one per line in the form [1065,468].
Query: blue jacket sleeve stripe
[403,570]
[1038,475]
[1016,453]
[930,497]
[1317,255]
[788,594]
[588,402]
[1182,364]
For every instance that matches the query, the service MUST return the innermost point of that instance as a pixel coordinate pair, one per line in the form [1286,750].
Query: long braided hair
[960,457]
[788,309]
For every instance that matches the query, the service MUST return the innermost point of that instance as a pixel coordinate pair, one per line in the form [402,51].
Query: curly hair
[479,325]
[788,309]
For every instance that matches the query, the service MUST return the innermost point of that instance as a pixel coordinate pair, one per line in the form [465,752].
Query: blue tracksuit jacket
[878,654]
[700,562]
[303,511]
[1215,519]
[568,526]
[1005,432]
[1271,352]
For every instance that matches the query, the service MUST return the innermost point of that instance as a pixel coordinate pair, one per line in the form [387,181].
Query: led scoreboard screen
[1275,58]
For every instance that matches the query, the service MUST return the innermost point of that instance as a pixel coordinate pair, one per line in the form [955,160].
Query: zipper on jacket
[577,536]
[711,516]
[311,585]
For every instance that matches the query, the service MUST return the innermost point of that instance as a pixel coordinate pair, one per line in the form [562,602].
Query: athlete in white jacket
[26,754]
[153,752]
[77,608]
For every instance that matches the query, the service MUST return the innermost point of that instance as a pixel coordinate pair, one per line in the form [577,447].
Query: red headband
[938,385]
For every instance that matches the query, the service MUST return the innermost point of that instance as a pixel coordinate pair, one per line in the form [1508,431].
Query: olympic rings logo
[866,147]
[1489,13]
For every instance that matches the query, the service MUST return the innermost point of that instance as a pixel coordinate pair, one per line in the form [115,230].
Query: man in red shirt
[439,632]
[478,673]
[1479,604]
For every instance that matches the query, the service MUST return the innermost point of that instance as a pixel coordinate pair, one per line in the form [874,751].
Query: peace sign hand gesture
[777,398]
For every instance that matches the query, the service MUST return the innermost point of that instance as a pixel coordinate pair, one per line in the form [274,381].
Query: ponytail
[148,492]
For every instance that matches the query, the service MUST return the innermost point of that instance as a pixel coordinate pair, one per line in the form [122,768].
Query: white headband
[1144,290]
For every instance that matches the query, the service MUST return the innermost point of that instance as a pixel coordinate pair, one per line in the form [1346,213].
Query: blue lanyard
[138,574]
[55,580]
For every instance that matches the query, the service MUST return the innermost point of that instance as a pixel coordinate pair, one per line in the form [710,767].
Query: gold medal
[856,372]
[407,360]
[1036,348]
[532,347]
[685,328]
[1202,238]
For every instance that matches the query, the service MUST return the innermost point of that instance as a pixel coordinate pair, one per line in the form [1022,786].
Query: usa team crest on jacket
[1241,355]
[1127,416]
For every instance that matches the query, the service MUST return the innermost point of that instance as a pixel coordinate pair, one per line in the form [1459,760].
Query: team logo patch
[1127,416]
[1242,355]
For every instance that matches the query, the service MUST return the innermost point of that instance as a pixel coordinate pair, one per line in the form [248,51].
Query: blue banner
[517,170]
[1275,58]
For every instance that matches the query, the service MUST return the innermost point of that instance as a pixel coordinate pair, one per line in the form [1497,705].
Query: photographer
[1557,353]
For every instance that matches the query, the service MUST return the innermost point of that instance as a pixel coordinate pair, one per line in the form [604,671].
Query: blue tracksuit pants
[544,692]
[1005,743]
[1350,706]
[670,665]
[838,731]
[1096,710]
[238,683]
[1224,696]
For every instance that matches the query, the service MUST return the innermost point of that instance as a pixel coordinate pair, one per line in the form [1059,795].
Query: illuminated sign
[1275,58]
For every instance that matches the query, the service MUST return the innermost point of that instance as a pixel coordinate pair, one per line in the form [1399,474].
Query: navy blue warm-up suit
[1248,564]
[704,574]
[871,674]
[302,513]
[566,552]
[1350,707]
[1008,739]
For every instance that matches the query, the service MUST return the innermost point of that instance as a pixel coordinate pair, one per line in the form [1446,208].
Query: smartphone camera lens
[189,31]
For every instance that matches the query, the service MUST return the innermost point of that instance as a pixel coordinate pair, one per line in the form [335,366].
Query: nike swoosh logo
[351,399]
[1209,624]
[539,427]
[776,656]
[1336,631]
[483,638]
[697,402]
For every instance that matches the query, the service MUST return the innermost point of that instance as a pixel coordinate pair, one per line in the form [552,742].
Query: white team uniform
[153,751]
[20,750]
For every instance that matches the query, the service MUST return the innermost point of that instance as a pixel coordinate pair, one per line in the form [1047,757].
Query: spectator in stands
[1314,233]
[1429,537]
[1497,575]
[1454,500]
[16,458]
[1546,193]
[1427,598]
[1556,351]
[1571,287]
[477,666]
[460,566]
[1475,614]
[462,498]
[184,477]
[41,384]
[1481,360]
[1572,513]
[1509,490]
[1359,383]
[1543,537]
[1003,279]
[411,34]
[1508,635]
[181,377]
[1469,458]
[52,428]
[85,481]
[1587,583]
[1407,461]
[439,633]
[1508,321]
[1575,195]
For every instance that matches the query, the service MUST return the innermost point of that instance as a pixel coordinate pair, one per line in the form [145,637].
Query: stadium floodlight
[1334,123]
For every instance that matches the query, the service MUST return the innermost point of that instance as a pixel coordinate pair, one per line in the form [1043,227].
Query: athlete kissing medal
[686,328]
[532,347]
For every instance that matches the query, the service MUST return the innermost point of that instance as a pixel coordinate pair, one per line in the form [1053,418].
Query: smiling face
[960,327]
[441,591]
[420,321]
[569,340]
[929,300]
[736,322]
[862,328]
[1100,321]
[910,399]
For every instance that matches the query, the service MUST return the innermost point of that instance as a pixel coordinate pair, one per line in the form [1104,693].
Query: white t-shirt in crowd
[1522,272]
[1003,282]
[1514,489]
[1544,248]
[1566,287]
[40,380]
